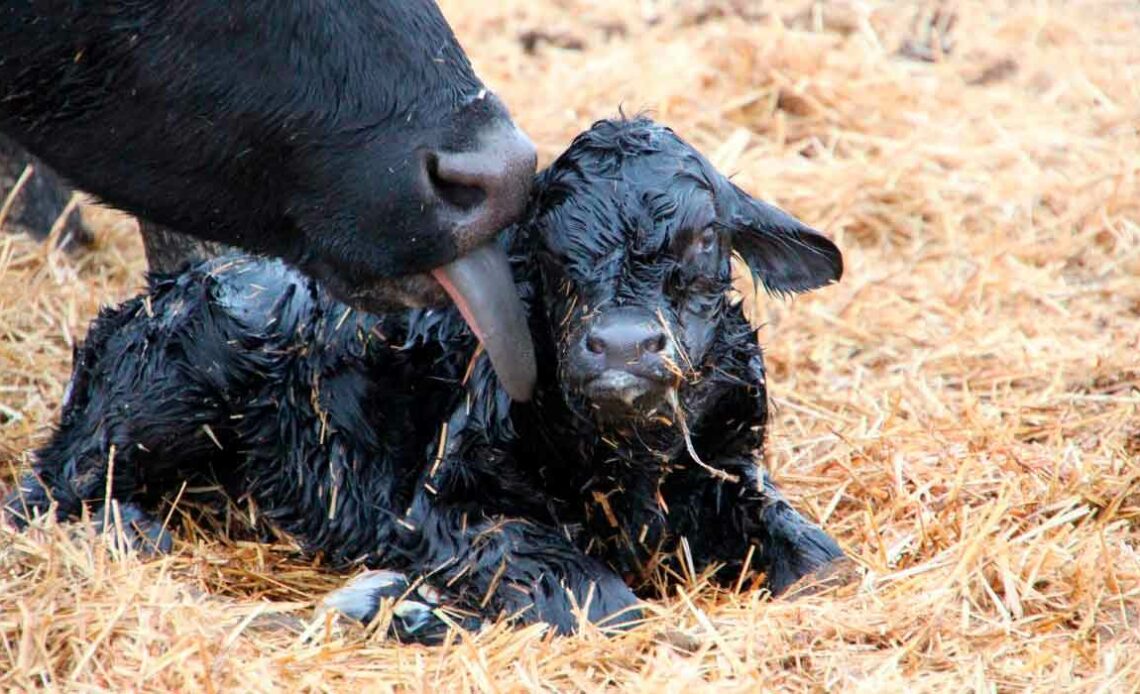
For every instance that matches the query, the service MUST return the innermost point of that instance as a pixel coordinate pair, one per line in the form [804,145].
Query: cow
[388,440]
[351,139]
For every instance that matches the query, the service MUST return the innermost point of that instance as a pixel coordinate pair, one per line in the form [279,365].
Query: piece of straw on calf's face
[388,440]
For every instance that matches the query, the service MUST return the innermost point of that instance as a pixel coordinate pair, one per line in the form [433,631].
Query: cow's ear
[785,254]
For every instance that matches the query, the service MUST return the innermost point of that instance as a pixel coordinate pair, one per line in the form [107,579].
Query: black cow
[352,139]
[389,440]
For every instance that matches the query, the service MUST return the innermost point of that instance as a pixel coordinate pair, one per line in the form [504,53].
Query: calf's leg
[508,567]
[132,414]
[722,519]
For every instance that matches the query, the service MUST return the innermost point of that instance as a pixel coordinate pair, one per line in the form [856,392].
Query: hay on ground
[962,412]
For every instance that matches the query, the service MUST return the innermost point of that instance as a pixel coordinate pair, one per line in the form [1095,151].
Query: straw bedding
[962,412]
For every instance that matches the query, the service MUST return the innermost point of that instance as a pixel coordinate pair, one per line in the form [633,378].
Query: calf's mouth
[618,395]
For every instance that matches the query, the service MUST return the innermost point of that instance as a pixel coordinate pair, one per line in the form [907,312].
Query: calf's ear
[785,254]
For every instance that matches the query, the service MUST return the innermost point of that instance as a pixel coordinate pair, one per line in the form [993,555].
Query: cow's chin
[394,294]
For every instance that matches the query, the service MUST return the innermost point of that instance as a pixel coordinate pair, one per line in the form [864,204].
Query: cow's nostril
[654,344]
[459,191]
[489,184]
[596,344]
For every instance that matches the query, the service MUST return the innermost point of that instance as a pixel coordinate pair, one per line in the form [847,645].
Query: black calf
[389,440]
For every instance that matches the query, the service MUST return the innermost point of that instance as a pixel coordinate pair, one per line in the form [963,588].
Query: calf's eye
[706,241]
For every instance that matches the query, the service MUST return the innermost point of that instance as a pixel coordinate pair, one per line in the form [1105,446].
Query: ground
[962,412]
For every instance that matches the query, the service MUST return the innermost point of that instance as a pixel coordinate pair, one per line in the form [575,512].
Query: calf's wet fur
[387,440]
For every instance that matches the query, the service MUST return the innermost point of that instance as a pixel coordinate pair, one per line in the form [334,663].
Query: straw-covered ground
[962,411]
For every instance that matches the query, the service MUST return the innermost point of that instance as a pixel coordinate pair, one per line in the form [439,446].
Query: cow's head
[412,169]
[636,231]
[351,138]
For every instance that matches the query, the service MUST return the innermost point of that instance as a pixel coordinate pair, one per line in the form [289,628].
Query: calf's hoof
[600,597]
[417,613]
[136,528]
[794,548]
[24,503]
[835,574]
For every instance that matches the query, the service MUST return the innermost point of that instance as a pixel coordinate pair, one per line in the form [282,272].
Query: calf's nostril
[595,344]
[625,341]
[655,343]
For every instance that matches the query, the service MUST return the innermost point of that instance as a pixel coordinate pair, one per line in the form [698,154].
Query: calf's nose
[627,359]
[627,340]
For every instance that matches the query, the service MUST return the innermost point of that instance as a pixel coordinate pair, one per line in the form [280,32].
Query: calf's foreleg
[723,520]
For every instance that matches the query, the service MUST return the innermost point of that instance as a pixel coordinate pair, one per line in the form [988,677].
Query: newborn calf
[389,441]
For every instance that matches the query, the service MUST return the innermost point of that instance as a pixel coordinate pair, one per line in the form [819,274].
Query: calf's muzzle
[624,359]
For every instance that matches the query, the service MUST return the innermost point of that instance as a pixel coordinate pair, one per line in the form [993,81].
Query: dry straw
[962,412]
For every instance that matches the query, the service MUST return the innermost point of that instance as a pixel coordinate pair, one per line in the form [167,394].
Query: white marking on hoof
[360,597]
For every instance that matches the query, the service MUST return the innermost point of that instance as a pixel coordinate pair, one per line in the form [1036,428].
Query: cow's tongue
[480,284]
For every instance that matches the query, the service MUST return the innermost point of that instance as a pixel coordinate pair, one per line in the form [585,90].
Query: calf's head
[636,231]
